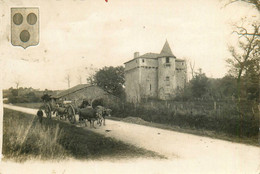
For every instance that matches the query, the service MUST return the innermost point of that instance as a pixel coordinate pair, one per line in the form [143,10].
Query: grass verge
[24,138]
[29,105]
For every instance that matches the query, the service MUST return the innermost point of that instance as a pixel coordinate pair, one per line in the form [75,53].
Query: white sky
[92,33]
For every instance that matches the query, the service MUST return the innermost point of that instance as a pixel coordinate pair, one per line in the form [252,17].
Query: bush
[24,99]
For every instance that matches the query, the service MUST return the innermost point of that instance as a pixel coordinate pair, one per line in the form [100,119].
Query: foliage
[29,139]
[46,97]
[22,95]
[27,98]
[250,80]
[14,92]
[199,85]
[222,88]
[244,63]
[111,79]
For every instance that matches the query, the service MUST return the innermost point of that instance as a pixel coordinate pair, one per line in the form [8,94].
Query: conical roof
[166,51]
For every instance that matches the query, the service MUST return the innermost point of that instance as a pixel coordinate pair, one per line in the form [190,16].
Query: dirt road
[186,153]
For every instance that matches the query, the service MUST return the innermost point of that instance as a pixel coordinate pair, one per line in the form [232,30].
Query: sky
[78,37]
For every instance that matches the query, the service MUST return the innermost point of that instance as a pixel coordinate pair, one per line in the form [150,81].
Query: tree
[46,98]
[199,84]
[14,92]
[17,83]
[192,68]
[67,78]
[251,80]
[111,79]
[246,54]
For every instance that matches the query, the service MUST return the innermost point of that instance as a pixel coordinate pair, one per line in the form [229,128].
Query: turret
[166,72]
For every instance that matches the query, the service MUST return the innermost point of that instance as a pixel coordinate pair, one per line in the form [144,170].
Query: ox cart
[67,110]
[63,109]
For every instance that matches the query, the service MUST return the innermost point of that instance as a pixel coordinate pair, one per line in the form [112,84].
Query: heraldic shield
[25,27]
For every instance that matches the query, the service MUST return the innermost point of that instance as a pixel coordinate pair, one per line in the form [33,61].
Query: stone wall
[148,62]
[131,64]
[132,88]
[181,74]
[149,82]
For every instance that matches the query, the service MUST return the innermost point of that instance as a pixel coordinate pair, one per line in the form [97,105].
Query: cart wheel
[71,115]
[60,117]
[47,111]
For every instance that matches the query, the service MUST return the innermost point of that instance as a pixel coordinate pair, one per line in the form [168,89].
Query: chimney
[136,54]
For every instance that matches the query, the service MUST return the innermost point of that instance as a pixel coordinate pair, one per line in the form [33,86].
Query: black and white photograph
[130,86]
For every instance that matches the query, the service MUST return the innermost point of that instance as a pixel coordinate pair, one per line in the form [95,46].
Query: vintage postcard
[117,86]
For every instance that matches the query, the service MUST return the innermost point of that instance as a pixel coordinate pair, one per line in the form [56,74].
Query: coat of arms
[24,27]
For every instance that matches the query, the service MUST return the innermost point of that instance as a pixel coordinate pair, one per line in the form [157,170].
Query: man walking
[40,115]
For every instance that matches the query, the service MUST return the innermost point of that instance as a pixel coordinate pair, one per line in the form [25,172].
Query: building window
[167,60]
[167,81]
[143,60]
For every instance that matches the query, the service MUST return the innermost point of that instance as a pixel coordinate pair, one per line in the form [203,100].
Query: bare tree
[192,68]
[17,83]
[91,71]
[68,79]
[248,44]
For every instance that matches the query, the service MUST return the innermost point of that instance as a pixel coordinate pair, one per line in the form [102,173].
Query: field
[24,138]
[29,105]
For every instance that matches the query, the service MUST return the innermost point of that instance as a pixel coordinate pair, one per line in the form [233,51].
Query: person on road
[40,115]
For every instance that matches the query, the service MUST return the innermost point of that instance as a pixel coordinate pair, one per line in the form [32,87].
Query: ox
[103,112]
[89,114]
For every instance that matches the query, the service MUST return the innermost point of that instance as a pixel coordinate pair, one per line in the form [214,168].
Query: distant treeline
[25,95]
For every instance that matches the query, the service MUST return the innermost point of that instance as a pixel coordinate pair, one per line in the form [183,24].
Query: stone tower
[166,72]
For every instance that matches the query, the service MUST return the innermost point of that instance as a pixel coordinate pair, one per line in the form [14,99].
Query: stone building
[85,92]
[153,75]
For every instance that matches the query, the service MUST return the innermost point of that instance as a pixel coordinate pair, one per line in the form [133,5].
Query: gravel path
[186,153]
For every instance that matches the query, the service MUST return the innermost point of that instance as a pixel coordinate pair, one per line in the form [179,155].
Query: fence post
[215,105]
[219,110]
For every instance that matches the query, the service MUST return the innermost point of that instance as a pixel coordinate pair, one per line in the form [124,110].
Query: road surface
[186,153]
